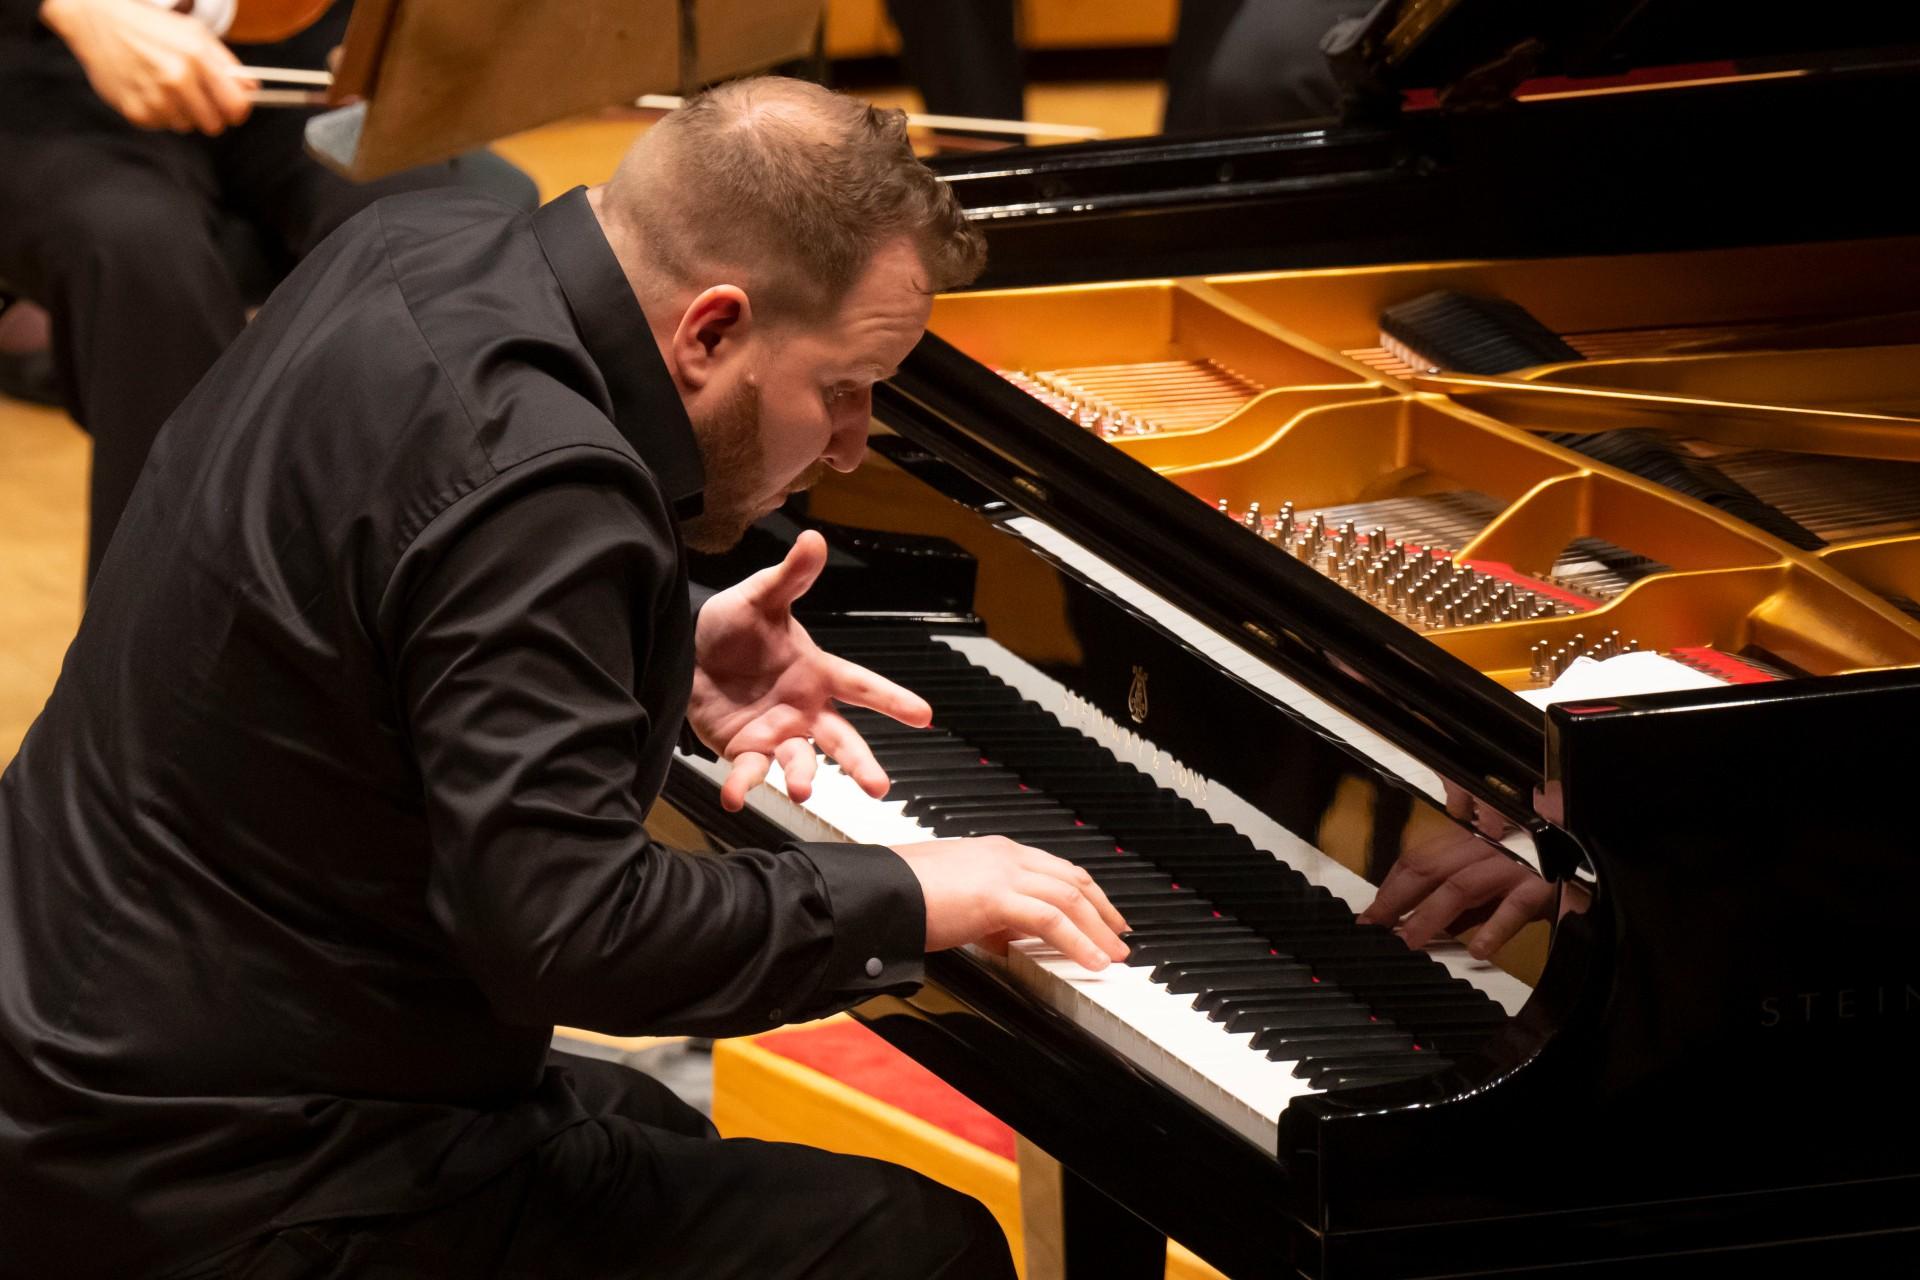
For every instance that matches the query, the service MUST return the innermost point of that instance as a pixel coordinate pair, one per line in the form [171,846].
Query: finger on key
[1051,864]
[1079,907]
[1041,919]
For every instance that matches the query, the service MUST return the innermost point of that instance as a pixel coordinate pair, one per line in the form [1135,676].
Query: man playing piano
[337,806]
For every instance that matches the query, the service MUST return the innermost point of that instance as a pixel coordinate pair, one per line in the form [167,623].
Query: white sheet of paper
[1620,677]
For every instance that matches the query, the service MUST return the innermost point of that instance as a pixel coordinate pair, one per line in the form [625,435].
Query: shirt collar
[646,405]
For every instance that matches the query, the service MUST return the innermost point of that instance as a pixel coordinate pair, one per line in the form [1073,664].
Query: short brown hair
[792,186]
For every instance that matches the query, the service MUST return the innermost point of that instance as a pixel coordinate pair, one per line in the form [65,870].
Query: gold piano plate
[1437,497]
[1141,361]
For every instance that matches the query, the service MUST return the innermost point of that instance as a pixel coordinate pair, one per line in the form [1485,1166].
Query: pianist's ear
[712,339]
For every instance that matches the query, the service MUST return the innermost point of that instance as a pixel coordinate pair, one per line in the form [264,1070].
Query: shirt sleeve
[517,655]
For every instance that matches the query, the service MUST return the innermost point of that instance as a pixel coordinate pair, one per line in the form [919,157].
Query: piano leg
[1075,1232]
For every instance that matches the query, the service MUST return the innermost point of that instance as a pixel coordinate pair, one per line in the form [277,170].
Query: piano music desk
[836,1085]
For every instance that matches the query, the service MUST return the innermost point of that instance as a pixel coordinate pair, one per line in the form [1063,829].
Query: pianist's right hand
[988,889]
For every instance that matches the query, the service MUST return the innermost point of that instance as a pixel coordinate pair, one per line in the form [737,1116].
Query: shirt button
[776,1015]
[874,966]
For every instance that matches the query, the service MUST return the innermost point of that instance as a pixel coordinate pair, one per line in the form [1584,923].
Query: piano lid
[1477,52]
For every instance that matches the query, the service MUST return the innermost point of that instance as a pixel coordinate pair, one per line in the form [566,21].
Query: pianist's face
[801,401]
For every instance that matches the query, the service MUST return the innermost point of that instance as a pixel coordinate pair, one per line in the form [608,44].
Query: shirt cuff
[879,916]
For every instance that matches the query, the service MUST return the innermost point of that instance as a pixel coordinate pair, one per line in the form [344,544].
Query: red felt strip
[1721,666]
[1507,573]
[858,1058]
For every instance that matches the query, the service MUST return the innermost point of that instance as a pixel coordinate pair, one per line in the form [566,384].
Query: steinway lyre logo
[1137,696]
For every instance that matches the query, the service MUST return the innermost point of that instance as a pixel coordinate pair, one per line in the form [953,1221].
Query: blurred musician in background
[137,184]
[962,55]
[284,931]
[1238,63]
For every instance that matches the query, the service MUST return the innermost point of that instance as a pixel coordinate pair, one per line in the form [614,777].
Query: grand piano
[1239,578]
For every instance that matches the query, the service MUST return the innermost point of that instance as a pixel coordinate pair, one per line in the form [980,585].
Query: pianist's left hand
[764,691]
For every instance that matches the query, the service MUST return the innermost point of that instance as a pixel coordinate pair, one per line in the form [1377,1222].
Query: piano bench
[838,1086]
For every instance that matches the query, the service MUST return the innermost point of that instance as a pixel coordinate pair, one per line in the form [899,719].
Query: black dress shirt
[337,806]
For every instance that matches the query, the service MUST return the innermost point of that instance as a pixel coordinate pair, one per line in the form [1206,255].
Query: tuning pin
[1377,540]
[1221,507]
[1252,518]
[1632,646]
[1612,644]
[1317,529]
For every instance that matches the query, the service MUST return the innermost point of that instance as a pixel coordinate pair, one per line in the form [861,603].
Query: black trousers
[962,56]
[648,1190]
[126,237]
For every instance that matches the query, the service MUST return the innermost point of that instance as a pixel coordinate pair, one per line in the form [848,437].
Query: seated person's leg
[609,1089]
[108,228]
[642,1191]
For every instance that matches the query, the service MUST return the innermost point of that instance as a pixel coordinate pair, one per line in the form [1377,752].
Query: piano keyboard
[1250,984]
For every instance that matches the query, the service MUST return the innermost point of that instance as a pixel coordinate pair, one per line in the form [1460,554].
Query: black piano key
[1027,829]
[1148,953]
[1128,879]
[1412,1069]
[1305,1017]
[1361,1046]
[1233,1003]
[1333,946]
[1148,895]
[1076,848]
[1105,861]
[1029,800]
[1378,974]
[1178,931]
[1451,1044]
[1176,846]
[927,755]
[1214,997]
[1173,913]
[1360,1058]
[1453,1017]
[1184,977]
[970,770]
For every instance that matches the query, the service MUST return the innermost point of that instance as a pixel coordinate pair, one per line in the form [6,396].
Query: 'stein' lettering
[1839,1004]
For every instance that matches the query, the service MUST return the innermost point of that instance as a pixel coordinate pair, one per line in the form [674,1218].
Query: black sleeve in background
[962,55]
[517,665]
[19,20]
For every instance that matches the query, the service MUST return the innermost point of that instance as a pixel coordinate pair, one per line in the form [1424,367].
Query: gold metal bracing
[1273,388]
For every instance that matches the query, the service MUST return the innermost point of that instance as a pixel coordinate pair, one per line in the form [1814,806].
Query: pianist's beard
[738,490]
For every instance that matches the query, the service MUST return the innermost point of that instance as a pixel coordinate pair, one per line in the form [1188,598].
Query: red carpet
[861,1060]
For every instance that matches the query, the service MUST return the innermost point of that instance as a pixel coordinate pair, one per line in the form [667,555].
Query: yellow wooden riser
[760,1094]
